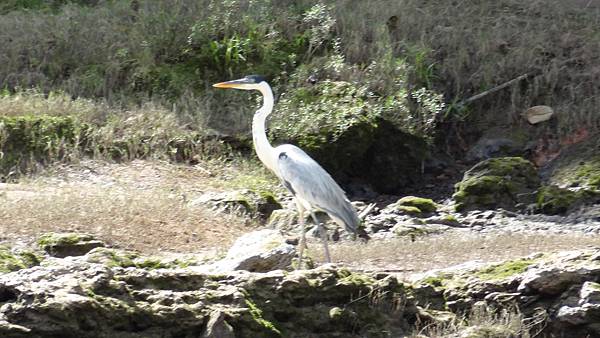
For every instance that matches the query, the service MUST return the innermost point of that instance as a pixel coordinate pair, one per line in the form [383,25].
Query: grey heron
[311,186]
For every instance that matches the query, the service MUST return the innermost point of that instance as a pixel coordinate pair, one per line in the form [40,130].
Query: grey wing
[306,179]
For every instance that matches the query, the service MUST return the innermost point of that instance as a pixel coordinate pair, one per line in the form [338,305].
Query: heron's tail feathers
[348,218]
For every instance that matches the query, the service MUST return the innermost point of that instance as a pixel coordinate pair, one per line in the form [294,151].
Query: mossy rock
[503,182]
[553,200]
[447,219]
[260,204]
[112,257]
[283,219]
[308,304]
[16,260]
[504,270]
[422,204]
[409,210]
[414,231]
[68,244]
[578,166]
[585,173]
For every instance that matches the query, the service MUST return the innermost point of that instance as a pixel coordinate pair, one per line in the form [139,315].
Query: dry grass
[482,321]
[142,205]
[34,102]
[464,48]
[440,251]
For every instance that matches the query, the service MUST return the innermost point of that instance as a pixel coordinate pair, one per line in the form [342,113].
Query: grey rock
[550,281]
[445,220]
[283,219]
[590,293]
[217,326]
[258,251]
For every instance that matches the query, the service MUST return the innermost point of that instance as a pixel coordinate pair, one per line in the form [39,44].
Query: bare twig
[497,88]
[513,81]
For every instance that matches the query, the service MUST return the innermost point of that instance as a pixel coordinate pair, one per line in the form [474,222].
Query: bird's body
[311,186]
[314,187]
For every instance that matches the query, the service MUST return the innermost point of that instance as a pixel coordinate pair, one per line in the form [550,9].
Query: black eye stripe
[255,78]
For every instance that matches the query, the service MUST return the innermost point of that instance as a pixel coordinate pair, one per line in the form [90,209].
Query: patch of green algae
[504,270]
[257,314]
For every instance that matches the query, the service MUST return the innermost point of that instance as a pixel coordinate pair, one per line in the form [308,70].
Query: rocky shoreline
[109,292]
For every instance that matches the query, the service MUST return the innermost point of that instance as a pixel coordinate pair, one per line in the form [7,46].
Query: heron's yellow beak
[238,84]
[224,85]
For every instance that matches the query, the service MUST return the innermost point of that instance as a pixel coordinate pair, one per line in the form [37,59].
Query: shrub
[25,140]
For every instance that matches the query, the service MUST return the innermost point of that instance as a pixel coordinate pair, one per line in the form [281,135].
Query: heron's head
[250,82]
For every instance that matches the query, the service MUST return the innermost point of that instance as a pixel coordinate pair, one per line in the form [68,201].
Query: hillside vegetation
[411,61]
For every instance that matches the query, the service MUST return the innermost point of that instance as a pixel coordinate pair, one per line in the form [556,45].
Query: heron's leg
[302,222]
[323,234]
[302,243]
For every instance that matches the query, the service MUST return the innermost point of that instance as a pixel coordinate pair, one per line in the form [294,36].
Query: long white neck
[263,148]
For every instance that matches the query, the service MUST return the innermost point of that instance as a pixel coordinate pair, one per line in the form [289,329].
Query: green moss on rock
[30,258]
[357,280]
[407,209]
[414,231]
[504,270]
[499,182]
[553,200]
[13,261]
[260,204]
[111,257]
[433,281]
[588,173]
[450,219]
[423,204]
[121,258]
[573,179]
[53,239]
[257,314]
[68,244]
[577,166]
[325,302]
